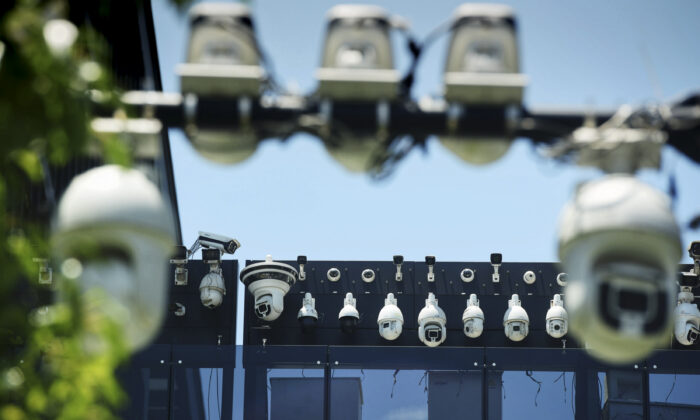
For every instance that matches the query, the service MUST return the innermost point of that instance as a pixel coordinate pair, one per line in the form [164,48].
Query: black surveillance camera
[301,259]
[430,260]
[398,259]
[496,258]
[694,250]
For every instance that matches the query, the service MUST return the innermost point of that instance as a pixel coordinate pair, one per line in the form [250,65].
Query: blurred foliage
[55,362]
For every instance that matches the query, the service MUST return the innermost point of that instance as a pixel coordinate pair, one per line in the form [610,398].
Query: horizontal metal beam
[283,117]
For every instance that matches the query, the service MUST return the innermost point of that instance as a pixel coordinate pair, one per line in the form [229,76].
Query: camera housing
[115,224]
[516,322]
[431,323]
[557,319]
[222,243]
[687,318]
[348,315]
[333,274]
[179,260]
[473,318]
[307,315]
[269,281]
[212,288]
[390,319]
[620,245]
[467,275]
[367,275]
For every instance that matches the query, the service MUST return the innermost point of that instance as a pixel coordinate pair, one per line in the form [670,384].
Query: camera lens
[367,274]
[556,327]
[333,274]
[516,328]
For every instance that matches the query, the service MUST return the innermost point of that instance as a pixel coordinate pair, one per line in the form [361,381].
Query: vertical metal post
[255,401]
[327,386]
[171,386]
[484,390]
[645,395]
[227,393]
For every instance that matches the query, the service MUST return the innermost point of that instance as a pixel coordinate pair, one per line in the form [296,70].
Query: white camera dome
[620,245]
[431,323]
[269,281]
[114,222]
[687,319]
[212,289]
[557,320]
[390,319]
[473,318]
[516,323]
[348,315]
[307,315]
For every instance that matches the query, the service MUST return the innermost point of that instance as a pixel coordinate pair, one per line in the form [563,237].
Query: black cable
[396,372]
[673,385]
[416,49]
[528,373]
[211,371]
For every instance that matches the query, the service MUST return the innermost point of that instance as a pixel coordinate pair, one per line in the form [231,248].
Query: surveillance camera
[220,242]
[212,288]
[687,318]
[116,230]
[307,315]
[557,319]
[333,274]
[179,260]
[496,261]
[431,323]
[348,315]
[473,318]
[390,319]
[398,261]
[516,323]
[301,260]
[562,278]
[430,262]
[529,277]
[620,245]
[368,275]
[467,275]
[694,250]
[269,281]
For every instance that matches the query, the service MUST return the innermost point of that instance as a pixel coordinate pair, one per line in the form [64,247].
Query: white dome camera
[431,323]
[269,281]
[307,315]
[212,288]
[515,321]
[620,245]
[687,315]
[557,318]
[473,318]
[348,315]
[390,319]
[113,233]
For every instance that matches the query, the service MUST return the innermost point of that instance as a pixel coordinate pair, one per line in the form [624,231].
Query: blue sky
[292,198]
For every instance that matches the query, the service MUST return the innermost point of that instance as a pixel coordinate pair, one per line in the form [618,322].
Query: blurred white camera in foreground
[620,245]
[113,233]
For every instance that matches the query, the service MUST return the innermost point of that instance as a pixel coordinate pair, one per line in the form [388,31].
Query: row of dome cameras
[432,321]
[269,281]
[225,59]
